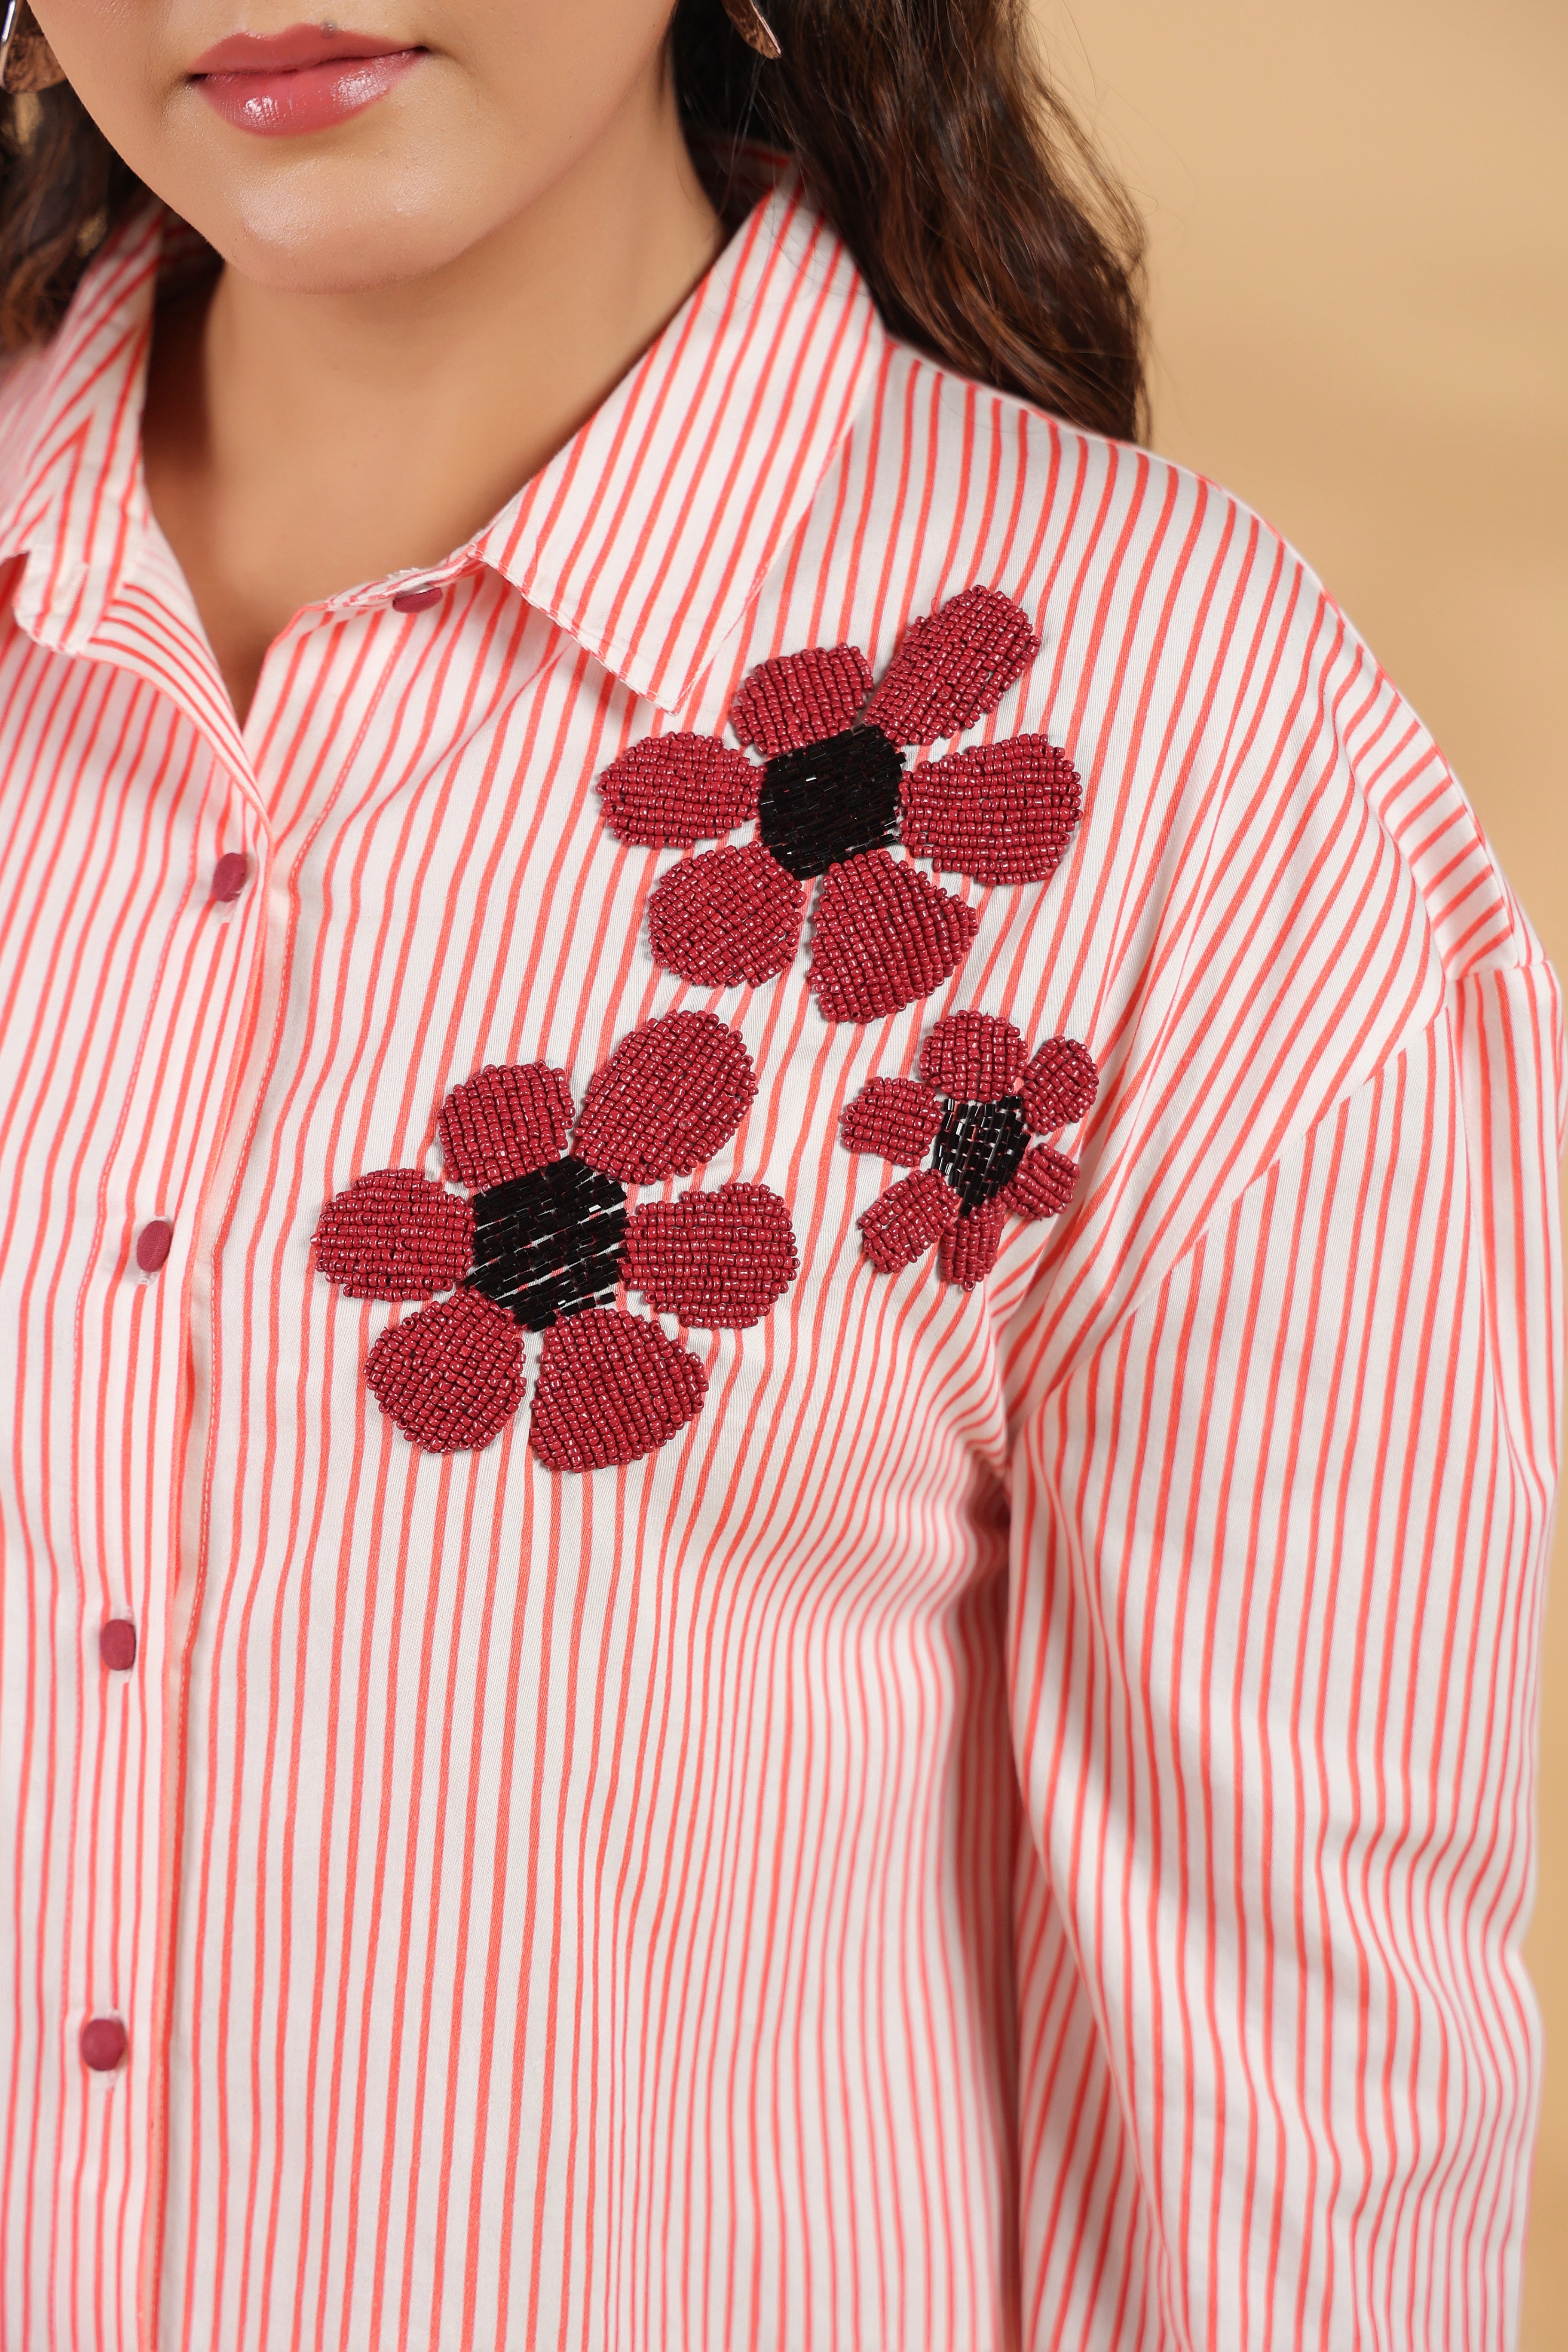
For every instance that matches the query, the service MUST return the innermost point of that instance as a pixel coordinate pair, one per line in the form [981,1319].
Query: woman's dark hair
[976,209]
[62,188]
[924,130]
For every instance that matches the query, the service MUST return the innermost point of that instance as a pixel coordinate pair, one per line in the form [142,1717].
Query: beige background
[1358,213]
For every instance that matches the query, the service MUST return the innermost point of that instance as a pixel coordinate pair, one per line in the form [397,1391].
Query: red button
[153,1243]
[416,600]
[230,875]
[102,2045]
[117,1645]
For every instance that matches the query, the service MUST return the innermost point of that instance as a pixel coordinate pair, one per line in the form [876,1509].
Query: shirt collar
[71,499]
[645,537]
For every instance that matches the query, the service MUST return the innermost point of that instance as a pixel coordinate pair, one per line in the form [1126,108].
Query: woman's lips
[285,85]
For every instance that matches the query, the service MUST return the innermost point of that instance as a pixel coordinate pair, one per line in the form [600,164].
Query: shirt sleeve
[1284,1456]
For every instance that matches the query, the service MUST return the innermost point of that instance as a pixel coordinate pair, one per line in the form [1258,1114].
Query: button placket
[174,1013]
[103,2042]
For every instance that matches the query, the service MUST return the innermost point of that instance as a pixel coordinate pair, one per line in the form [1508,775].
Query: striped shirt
[899,1798]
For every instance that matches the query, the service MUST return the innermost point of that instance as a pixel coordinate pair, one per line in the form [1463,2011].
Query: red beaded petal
[451,1376]
[1043,1183]
[909,1217]
[1059,1085]
[669,1095]
[885,936]
[505,1121]
[717,1260]
[955,667]
[799,698]
[1001,813]
[394,1234]
[611,1388]
[678,790]
[969,1248]
[896,1116]
[727,915]
[973,1057]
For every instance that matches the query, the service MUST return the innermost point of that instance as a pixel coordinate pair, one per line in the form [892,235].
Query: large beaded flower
[979,1100]
[539,1238]
[832,797]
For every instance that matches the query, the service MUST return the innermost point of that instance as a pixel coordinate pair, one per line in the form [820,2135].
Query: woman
[781,1263]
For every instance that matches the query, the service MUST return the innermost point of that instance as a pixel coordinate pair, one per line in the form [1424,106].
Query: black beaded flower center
[978,1148]
[831,801]
[549,1243]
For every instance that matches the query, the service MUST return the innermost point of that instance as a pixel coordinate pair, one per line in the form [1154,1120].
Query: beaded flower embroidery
[832,798]
[540,1236]
[977,1102]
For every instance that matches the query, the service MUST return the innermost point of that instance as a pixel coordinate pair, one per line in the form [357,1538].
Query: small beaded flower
[540,1237]
[977,1103]
[832,797]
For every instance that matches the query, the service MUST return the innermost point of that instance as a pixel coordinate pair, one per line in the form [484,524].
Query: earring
[26,61]
[753,27]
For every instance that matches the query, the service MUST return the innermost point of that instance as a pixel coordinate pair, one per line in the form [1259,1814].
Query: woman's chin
[311,232]
[382,199]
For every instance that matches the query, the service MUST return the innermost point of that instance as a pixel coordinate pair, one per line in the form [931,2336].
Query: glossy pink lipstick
[285,85]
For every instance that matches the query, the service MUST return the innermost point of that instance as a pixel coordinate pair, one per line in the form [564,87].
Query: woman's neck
[298,443]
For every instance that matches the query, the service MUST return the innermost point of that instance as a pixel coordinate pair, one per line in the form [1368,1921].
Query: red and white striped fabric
[1013,1828]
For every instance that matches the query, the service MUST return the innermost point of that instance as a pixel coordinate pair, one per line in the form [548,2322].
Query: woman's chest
[612,1094]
